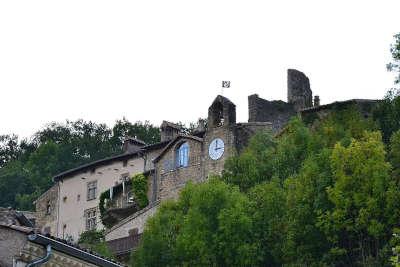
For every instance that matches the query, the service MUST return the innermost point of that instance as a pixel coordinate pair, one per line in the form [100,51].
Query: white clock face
[216,148]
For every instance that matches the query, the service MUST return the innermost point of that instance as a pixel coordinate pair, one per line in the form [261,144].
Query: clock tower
[219,139]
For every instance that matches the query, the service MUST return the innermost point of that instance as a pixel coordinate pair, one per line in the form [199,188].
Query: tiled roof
[108,160]
[73,250]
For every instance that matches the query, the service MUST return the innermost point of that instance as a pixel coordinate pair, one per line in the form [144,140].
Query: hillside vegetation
[324,194]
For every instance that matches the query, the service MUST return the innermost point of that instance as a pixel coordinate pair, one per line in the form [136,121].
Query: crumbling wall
[47,211]
[244,132]
[278,113]
[299,91]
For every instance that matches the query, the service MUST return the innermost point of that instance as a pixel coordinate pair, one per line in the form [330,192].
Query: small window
[130,198]
[78,198]
[91,219]
[65,199]
[48,207]
[91,190]
[124,163]
[125,177]
[182,155]
[64,229]
[47,230]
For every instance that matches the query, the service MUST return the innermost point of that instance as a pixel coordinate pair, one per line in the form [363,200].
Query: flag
[226,84]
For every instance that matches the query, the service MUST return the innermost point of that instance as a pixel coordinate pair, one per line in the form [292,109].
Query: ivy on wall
[139,189]
[105,195]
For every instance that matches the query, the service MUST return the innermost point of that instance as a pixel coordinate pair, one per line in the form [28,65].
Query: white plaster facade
[73,201]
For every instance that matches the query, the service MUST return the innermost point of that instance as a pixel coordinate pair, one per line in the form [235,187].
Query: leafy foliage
[322,195]
[95,240]
[209,225]
[395,64]
[139,189]
[27,166]
[102,199]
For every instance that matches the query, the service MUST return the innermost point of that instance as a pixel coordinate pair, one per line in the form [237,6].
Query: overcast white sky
[154,60]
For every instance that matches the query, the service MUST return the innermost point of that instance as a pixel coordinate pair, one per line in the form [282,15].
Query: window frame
[91,219]
[48,207]
[182,155]
[90,195]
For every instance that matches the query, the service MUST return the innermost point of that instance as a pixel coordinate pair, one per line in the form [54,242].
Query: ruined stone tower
[299,91]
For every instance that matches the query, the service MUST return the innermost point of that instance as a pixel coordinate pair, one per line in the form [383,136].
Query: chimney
[201,126]
[132,145]
[169,130]
[316,101]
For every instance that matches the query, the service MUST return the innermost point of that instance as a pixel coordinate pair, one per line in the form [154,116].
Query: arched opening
[217,114]
[182,155]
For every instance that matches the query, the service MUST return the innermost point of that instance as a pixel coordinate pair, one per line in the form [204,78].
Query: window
[47,230]
[130,198]
[64,229]
[124,163]
[91,218]
[91,190]
[78,197]
[182,155]
[217,118]
[48,208]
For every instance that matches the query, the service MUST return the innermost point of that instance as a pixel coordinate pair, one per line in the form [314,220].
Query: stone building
[179,157]
[71,205]
[21,245]
[188,158]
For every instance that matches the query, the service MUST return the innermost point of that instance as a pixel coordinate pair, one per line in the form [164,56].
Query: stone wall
[129,224]
[171,178]
[11,242]
[299,90]
[228,135]
[47,211]
[244,131]
[364,106]
[276,112]
[32,251]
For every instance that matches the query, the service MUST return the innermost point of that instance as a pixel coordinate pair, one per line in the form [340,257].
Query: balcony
[124,246]
[120,206]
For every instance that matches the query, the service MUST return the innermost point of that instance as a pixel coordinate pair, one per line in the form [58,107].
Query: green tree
[208,226]
[9,148]
[254,164]
[141,130]
[394,154]
[362,218]
[268,211]
[305,244]
[387,114]
[13,179]
[395,64]
[56,148]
